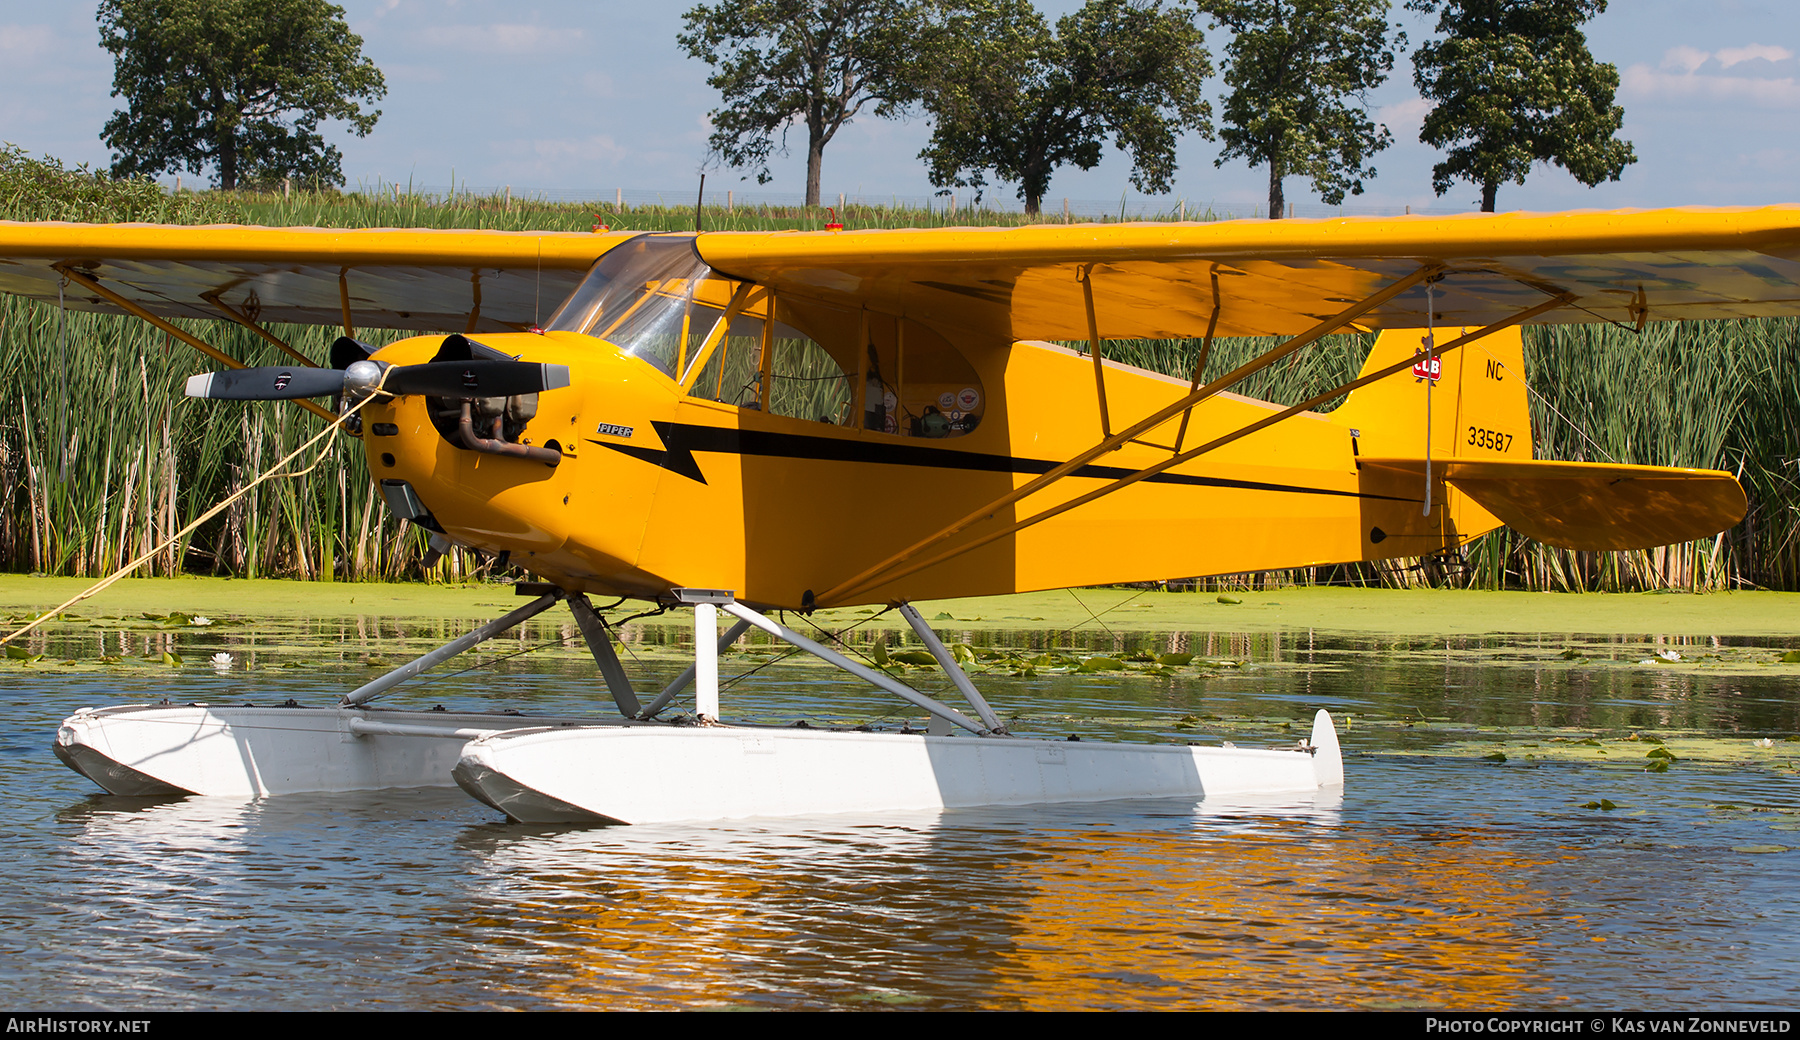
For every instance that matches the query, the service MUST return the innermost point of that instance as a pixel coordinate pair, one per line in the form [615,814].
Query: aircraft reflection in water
[1251,906]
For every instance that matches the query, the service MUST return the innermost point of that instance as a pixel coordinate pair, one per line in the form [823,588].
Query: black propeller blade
[454,379]
[272,383]
[476,378]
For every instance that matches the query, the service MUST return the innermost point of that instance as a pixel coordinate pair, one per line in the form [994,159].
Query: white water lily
[1764,743]
[1669,655]
[200,619]
[221,660]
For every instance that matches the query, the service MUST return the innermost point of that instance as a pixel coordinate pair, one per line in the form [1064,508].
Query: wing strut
[87,282]
[1085,275]
[1212,326]
[243,319]
[837,593]
[1218,442]
[344,300]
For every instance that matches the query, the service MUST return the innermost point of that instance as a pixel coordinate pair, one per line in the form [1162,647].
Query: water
[1438,879]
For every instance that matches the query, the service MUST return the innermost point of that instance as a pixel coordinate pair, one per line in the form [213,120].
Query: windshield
[652,297]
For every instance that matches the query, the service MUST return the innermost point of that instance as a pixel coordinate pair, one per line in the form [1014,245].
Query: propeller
[359,375]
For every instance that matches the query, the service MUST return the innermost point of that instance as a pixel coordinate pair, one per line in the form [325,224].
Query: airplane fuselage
[660,486]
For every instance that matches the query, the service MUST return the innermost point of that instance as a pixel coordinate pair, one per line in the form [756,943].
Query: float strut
[952,669]
[706,662]
[455,646]
[681,681]
[830,656]
[599,643]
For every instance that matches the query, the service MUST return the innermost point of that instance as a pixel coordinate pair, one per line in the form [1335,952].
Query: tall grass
[105,457]
[1711,395]
[394,205]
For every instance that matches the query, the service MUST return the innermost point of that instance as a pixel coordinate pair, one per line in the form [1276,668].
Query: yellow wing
[1280,277]
[462,281]
[1147,280]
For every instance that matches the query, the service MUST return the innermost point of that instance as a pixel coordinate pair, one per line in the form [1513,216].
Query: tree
[238,85]
[1009,96]
[815,62]
[1514,84]
[1299,72]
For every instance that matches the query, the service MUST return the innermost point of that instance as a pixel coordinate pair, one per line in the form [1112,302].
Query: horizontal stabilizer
[1591,505]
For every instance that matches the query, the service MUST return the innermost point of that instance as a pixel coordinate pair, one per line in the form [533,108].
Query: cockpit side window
[748,346]
[772,366]
[804,380]
[730,373]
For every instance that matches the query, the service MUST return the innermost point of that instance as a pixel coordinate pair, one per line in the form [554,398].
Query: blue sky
[593,97]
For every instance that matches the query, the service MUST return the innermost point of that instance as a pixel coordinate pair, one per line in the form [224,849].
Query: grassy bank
[1399,612]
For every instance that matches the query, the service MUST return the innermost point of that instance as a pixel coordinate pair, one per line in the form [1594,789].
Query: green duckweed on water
[1677,683]
[1397,611]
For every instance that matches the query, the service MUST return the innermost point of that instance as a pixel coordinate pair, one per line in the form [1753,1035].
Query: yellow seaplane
[750,423]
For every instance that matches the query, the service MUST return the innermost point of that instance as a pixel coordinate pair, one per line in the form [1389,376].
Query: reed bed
[1712,395]
[397,205]
[103,457]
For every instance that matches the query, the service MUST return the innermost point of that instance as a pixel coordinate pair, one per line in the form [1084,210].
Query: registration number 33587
[1493,439]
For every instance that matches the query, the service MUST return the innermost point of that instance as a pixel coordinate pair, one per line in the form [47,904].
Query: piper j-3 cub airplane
[746,422]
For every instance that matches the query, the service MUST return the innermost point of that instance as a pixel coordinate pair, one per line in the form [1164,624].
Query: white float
[543,769]
[616,775]
[254,752]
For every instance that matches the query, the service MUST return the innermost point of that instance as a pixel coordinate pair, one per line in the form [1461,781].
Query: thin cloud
[1685,59]
[1405,117]
[1679,78]
[1730,56]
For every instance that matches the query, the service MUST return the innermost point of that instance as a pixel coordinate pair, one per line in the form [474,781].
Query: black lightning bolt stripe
[681,441]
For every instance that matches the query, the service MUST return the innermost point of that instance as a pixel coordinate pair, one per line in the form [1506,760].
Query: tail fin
[1476,408]
[1482,473]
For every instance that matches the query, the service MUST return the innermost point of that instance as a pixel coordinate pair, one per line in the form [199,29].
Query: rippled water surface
[1440,877]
